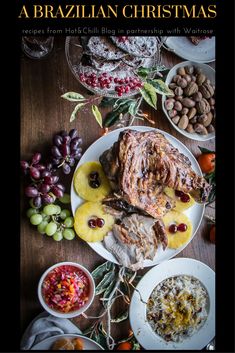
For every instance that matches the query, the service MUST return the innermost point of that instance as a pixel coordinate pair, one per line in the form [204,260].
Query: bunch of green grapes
[53,221]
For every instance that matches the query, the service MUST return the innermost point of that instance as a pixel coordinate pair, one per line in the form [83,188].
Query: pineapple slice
[82,186]
[177,239]
[179,205]
[89,211]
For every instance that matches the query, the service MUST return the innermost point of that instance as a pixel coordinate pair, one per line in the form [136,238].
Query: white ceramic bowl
[75,312]
[210,74]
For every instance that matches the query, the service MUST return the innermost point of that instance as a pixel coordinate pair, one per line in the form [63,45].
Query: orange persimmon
[207,162]
[124,346]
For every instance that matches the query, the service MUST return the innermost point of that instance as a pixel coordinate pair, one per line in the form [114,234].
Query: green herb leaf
[76,109]
[114,115]
[107,102]
[133,108]
[109,289]
[105,282]
[205,150]
[120,102]
[161,87]
[100,338]
[73,97]
[149,94]
[143,72]
[101,269]
[97,114]
[121,317]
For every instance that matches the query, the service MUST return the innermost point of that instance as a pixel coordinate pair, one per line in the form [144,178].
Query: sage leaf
[101,269]
[143,72]
[149,94]
[161,87]
[121,317]
[133,108]
[107,102]
[120,102]
[73,97]
[76,109]
[97,114]
[105,282]
[109,289]
[114,115]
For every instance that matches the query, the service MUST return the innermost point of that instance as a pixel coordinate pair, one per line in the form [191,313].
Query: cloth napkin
[44,326]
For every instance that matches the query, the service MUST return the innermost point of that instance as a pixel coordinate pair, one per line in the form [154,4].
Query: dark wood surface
[43,113]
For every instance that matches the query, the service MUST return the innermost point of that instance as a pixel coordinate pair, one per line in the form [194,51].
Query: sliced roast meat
[135,239]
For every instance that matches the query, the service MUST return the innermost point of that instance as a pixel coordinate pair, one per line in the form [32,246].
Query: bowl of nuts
[192,108]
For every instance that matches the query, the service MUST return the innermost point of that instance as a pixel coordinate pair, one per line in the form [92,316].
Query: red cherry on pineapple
[182,227]
[173,228]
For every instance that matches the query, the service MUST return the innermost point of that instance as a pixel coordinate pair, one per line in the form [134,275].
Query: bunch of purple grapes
[44,187]
[66,150]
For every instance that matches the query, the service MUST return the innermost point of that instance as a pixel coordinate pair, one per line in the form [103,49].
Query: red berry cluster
[98,222]
[102,81]
[122,39]
[182,227]
[125,85]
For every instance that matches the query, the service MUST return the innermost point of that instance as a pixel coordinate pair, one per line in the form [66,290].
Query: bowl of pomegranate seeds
[66,289]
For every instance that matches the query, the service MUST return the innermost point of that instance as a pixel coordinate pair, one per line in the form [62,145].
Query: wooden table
[43,113]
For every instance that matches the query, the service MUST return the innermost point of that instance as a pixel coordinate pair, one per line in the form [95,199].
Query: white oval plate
[48,342]
[143,332]
[195,213]
[204,52]
[210,73]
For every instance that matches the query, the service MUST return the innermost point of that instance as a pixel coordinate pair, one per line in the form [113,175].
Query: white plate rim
[194,136]
[48,339]
[137,311]
[175,51]
[95,246]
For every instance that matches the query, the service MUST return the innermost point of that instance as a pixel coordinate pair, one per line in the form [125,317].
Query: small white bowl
[75,312]
[210,74]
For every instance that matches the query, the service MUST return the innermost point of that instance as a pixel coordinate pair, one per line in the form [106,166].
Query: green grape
[31,211]
[65,199]
[68,233]
[57,236]
[42,226]
[50,210]
[58,209]
[36,219]
[68,222]
[51,228]
[64,214]
[31,203]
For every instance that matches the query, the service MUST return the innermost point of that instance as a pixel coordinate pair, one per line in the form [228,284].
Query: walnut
[203,107]
[200,79]
[191,89]
[206,90]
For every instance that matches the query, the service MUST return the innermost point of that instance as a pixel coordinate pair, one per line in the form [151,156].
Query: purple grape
[60,186]
[66,139]
[55,178]
[46,198]
[71,161]
[45,173]
[34,173]
[63,133]
[57,191]
[55,152]
[37,201]
[49,166]
[44,188]
[78,156]
[75,143]
[31,191]
[36,158]
[75,153]
[50,180]
[57,140]
[73,133]
[55,161]
[65,150]
[66,168]
[40,167]
[24,165]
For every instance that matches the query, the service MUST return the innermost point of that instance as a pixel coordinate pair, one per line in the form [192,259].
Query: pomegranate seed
[121,81]
[127,80]
[94,84]
[92,223]
[117,88]
[173,228]
[93,75]
[127,89]
[116,80]
[131,85]
[104,74]
[182,227]
[88,82]
[138,85]
[100,222]
[185,198]
[110,79]
[108,86]
[119,94]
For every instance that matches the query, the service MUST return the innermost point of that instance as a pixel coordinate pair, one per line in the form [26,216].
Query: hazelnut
[179,98]
[181,71]
[183,122]
[200,79]
[200,129]
[189,69]
[188,103]
[175,78]
[184,111]
[169,103]
[172,113]
[190,128]
[176,119]
[172,85]
[178,106]
[194,120]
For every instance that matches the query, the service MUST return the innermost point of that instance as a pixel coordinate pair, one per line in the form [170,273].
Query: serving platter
[142,330]
[204,52]
[46,344]
[195,213]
